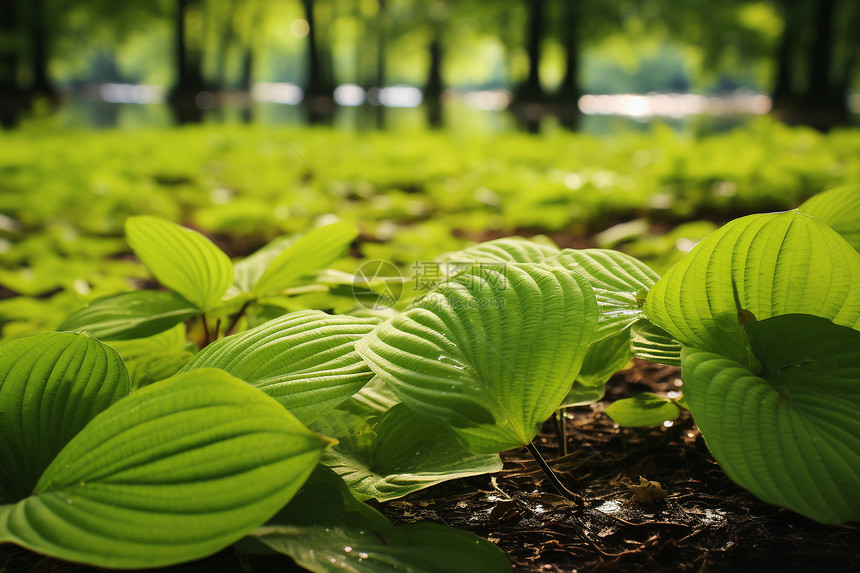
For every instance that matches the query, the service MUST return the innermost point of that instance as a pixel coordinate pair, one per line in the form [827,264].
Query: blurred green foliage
[64,196]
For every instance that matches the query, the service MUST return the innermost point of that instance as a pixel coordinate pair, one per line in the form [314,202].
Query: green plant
[762,315]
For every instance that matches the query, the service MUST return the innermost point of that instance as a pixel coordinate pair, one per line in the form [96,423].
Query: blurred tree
[531,89]
[12,95]
[320,82]
[184,97]
[816,61]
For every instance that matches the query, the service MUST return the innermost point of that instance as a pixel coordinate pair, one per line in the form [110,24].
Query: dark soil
[704,523]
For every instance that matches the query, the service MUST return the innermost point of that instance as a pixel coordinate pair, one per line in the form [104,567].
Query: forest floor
[692,519]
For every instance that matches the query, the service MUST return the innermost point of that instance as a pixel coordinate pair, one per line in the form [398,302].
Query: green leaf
[790,433]
[582,395]
[374,399]
[838,208]
[249,270]
[505,250]
[51,386]
[181,259]
[643,410]
[396,453]
[305,360]
[312,252]
[620,284]
[127,315]
[492,352]
[325,530]
[650,342]
[604,358]
[756,267]
[155,357]
[174,472]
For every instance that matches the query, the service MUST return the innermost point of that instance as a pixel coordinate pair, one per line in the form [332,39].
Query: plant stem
[237,317]
[206,339]
[550,474]
[561,431]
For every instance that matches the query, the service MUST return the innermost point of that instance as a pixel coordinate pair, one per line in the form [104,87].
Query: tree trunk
[315,84]
[247,69]
[819,89]
[379,109]
[10,54]
[13,98]
[433,87]
[189,78]
[39,51]
[570,90]
[532,90]
[225,42]
[783,92]
[245,80]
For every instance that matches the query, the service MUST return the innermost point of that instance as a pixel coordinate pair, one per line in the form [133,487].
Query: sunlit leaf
[840,209]
[604,358]
[51,386]
[643,410]
[491,353]
[135,314]
[155,357]
[174,472]
[582,395]
[789,433]
[620,284]
[756,267]
[396,453]
[505,250]
[650,342]
[181,259]
[312,252]
[305,360]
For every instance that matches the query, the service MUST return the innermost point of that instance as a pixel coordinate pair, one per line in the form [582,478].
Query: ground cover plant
[191,454]
[411,195]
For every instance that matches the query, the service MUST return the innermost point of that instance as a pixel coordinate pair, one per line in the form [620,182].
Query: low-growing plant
[762,315]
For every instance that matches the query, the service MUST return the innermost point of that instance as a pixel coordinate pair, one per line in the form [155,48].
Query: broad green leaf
[650,342]
[249,270]
[155,357]
[840,209]
[620,284]
[789,433]
[756,267]
[582,395]
[492,352]
[174,472]
[643,410]
[374,399]
[51,386]
[127,315]
[396,453]
[505,250]
[181,259]
[305,360]
[604,358]
[312,252]
[325,530]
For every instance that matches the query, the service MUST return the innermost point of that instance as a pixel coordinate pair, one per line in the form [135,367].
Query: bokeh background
[361,63]
[428,125]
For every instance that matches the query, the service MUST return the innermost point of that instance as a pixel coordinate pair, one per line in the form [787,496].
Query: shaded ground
[704,523]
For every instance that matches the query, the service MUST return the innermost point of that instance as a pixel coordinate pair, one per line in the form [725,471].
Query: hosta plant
[160,467]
